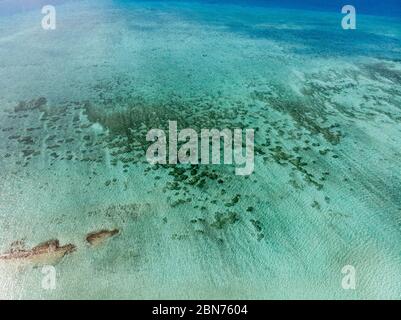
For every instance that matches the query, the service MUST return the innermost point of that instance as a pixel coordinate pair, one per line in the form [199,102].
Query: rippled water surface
[76,104]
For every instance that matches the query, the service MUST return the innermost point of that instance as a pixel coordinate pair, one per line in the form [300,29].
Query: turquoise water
[325,193]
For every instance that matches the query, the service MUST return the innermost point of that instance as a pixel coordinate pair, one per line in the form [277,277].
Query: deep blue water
[320,37]
[371,7]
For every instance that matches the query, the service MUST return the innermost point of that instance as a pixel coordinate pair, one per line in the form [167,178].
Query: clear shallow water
[325,191]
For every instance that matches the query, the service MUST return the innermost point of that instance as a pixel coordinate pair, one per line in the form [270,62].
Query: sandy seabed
[76,104]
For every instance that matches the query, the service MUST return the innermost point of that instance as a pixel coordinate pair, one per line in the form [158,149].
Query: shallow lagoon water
[75,106]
